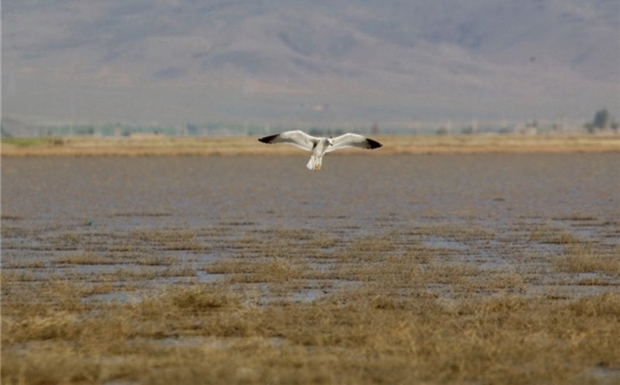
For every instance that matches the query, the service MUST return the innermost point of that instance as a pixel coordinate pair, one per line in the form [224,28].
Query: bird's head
[330,141]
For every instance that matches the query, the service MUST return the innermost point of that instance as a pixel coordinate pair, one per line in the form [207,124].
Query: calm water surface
[367,190]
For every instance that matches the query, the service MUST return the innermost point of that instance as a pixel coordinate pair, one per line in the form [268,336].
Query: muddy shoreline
[186,146]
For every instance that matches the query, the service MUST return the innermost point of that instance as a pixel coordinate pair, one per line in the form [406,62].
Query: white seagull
[320,146]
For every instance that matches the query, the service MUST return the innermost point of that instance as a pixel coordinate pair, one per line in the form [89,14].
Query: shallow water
[278,189]
[483,209]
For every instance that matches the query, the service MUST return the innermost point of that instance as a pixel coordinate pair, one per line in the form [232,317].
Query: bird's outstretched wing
[296,138]
[353,140]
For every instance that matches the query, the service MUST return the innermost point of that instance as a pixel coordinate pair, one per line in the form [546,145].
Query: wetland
[250,269]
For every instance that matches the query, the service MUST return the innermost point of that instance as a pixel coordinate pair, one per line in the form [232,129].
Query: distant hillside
[13,127]
[198,61]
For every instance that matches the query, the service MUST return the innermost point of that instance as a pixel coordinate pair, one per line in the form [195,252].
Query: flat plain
[459,268]
[137,145]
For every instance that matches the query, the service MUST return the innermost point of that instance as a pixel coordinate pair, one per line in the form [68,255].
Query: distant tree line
[602,121]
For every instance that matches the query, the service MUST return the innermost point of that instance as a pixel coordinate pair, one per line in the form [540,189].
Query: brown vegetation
[293,306]
[445,269]
[161,145]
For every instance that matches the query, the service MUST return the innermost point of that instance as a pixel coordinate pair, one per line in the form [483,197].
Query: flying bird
[320,146]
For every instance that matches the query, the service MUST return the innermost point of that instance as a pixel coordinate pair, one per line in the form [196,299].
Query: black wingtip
[268,139]
[373,144]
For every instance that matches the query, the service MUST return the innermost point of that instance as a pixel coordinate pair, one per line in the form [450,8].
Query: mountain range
[341,62]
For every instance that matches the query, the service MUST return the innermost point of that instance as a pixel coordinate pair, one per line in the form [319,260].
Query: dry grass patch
[167,239]
[453,270]
[23,264]
[9,217]
[386,308]
[395,144]
[200,298]
[102,288]
[363,335]
[553,235]
[576,217]
[580,259]
[85,259]
[257,270]
[371,247]
[157,260]
[293,234]
[324,241]
[72,240]
[463,233]
[503,280]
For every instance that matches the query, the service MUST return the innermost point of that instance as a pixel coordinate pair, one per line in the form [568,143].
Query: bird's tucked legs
[314,163]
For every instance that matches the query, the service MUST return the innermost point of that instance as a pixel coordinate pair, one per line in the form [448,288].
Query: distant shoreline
[147,145]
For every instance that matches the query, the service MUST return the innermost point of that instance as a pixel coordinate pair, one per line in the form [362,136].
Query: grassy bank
[163,145]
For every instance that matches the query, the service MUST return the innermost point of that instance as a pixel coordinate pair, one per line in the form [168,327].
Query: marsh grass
[85,259]
[455,232]
[583,259]
[294,306]
[553,235]
[24,264]
[355,335]
[577,216]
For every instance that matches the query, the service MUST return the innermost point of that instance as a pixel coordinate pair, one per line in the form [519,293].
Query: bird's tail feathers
[311,163]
